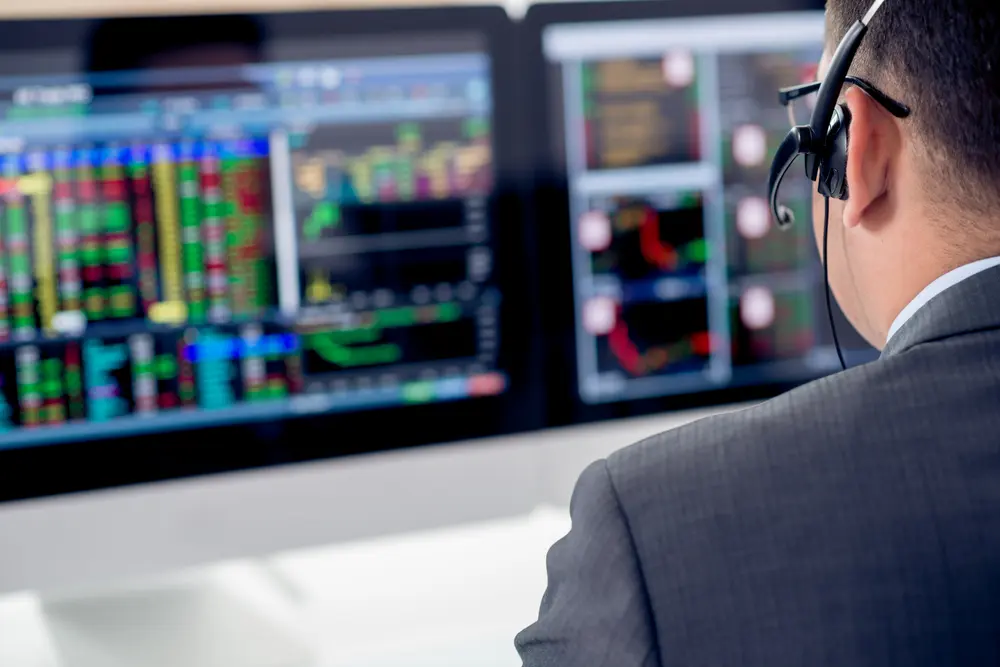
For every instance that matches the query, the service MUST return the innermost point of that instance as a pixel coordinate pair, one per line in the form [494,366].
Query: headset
[824,140]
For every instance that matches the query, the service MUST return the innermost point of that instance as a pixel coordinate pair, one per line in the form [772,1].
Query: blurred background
[311,314]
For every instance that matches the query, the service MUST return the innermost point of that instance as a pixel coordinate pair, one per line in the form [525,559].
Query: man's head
[925,190]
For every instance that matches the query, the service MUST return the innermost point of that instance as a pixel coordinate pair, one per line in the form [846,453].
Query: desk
[446,598]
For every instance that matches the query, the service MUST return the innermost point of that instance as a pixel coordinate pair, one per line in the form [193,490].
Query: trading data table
[200,246]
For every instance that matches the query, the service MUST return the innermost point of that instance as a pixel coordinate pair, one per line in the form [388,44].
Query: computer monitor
[233,242]
[662,119]
[274,230]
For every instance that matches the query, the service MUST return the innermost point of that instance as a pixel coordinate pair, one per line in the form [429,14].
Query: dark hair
[943,60]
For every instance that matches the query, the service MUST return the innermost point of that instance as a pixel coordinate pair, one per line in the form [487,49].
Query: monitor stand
[213,619]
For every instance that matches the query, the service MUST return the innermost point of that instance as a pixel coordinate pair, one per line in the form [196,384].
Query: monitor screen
[207,236]
[665,131]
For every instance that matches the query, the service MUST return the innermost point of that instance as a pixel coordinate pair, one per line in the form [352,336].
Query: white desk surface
[448,598]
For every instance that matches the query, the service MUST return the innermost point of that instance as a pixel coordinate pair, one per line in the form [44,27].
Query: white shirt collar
[949,279]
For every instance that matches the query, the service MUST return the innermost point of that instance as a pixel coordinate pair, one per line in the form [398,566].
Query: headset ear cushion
[845,112]
[846,123]
[834,172]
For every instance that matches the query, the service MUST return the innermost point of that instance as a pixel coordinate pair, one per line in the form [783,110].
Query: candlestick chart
[662,235]
[657,339]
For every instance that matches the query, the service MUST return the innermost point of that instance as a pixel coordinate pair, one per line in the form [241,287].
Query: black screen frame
[550,205]
[95,465]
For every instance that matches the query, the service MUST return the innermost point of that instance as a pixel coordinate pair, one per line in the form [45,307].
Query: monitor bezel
[550,200]
[79,466]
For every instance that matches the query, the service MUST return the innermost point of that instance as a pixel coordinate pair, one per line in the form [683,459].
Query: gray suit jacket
[852,522]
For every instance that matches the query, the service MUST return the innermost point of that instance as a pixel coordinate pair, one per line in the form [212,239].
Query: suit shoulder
[801,423]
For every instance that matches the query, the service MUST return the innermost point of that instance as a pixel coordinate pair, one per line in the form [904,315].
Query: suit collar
[970,306]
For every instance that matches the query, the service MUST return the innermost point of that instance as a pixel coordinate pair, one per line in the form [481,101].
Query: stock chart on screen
[200,246]
[682,282]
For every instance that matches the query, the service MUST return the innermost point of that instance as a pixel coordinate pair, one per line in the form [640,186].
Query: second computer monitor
[664,130]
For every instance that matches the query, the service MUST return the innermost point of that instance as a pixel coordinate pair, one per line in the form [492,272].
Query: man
[854,521]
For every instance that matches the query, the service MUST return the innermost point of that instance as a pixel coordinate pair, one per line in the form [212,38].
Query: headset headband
[811,140]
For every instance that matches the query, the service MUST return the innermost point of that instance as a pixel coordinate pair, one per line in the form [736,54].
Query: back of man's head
[942,59]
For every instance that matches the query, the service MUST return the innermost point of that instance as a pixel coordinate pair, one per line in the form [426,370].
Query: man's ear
[869,153]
